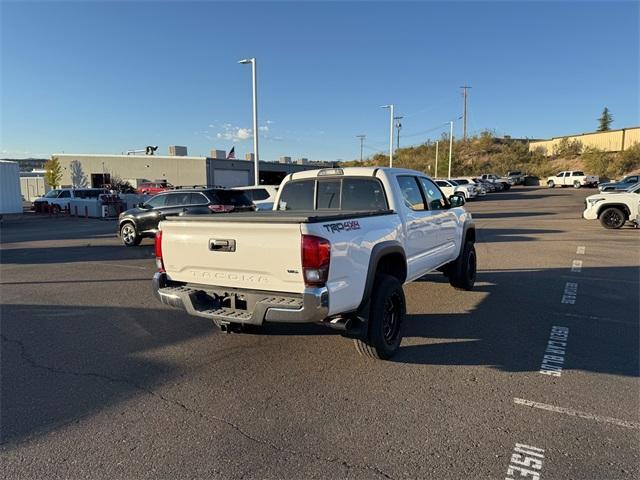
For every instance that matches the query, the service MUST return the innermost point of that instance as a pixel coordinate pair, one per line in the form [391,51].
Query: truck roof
[349,171]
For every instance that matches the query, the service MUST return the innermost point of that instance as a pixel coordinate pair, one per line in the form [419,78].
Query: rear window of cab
[352,194]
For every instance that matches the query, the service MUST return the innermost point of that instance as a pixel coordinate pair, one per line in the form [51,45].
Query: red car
[151,188]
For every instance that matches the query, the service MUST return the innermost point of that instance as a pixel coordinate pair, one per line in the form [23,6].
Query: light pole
[436,170]
[256,158]
[390,107]
[361,137]
[450,145]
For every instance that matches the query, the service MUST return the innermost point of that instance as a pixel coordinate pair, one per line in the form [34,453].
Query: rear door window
[363,194]
[297,195]
[177,199]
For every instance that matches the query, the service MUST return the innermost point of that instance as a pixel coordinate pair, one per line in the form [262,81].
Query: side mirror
[141,205]
[456,201]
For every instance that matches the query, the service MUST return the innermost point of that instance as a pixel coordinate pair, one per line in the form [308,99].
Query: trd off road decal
[342,226]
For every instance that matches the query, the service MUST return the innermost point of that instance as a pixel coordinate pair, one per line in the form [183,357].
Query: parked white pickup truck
[336,250]
[572,178]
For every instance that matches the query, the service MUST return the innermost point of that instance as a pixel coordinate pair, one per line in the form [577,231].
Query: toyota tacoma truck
[335,250]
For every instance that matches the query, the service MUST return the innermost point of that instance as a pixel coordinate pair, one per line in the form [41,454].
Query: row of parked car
[472,187]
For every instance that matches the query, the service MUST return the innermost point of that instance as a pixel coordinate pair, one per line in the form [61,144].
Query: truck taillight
[158,249]
[316,257]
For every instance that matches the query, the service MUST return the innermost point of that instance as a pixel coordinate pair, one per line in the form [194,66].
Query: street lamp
[390,107]
[256,159]
[450,145]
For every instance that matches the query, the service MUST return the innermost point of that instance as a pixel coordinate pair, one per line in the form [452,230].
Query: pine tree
[605,120]
[53,172]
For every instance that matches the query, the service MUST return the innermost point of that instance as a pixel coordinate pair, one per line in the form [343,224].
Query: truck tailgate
[256,256]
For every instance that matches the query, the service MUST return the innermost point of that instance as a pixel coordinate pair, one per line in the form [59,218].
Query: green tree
[605,120]
[53,172]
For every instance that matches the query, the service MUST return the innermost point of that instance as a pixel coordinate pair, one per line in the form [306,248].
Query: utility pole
[450,145]
[361,137]
[390,107]
[398,127]
[464,114]
[436,170]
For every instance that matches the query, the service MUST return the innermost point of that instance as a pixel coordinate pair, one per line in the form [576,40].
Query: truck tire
[385,321]
[576,184]
[612,218]
[551,184]
[462,272]
[129,236]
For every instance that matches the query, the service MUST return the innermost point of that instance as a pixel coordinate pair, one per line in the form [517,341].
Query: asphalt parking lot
[534,371]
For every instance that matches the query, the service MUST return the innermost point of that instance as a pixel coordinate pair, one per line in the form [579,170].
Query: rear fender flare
[377,253]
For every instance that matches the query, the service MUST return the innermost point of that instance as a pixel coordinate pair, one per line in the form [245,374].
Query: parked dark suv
[142,221]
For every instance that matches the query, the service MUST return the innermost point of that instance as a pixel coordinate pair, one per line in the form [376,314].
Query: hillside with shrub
[486,153]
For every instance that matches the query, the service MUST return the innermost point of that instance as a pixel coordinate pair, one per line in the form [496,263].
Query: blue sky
[105,77]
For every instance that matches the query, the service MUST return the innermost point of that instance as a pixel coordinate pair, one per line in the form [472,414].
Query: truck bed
[282,216]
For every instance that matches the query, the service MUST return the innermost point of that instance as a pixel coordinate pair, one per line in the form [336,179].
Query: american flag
[232,154]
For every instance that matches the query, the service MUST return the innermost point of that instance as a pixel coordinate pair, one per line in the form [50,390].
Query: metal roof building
[90,170]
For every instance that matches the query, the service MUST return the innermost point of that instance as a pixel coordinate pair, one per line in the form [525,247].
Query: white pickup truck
[572,178]
[336,250]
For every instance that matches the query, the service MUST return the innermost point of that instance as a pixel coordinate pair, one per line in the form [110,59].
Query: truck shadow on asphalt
[493,235]
[509,328]
[509,214]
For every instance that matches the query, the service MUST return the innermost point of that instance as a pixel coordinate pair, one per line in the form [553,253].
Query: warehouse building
[609,141]
[85,170]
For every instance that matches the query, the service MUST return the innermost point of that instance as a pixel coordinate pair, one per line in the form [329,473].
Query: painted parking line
[570,293]
[526,461]
[577,413]
[554,354]
[576,266]
[580,250]
[599,279]
[598,319]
